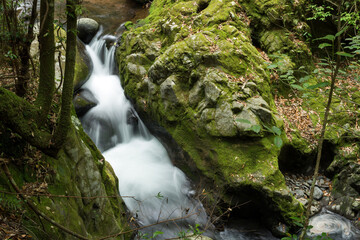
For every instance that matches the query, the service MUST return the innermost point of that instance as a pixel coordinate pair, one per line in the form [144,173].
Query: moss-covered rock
[80,172]
[191,66]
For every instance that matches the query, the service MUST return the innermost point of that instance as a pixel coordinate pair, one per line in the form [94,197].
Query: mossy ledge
[192,69]
[78,170]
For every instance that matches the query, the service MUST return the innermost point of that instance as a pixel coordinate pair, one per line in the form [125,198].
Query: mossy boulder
[191,67]
[79,172]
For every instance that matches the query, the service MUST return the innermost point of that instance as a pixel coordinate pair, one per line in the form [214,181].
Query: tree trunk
[24,55]
[334,74]
[47,61]
[64,121]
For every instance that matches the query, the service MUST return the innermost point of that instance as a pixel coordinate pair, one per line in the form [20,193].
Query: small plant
[10,202]
[146,236]
[273,129]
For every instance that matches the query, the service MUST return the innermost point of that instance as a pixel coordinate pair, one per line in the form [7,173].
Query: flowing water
[161,193]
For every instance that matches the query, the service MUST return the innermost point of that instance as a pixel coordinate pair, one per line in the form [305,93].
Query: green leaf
[278,141]
[272,66]
[255,128]
[322,84]
[344,54]
[341,32]
[298,87]
[324,45]
[157,233]
[276,130]
[327,37]
[243,121]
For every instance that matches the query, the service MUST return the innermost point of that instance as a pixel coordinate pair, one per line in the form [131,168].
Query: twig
[63,196]
[139,228]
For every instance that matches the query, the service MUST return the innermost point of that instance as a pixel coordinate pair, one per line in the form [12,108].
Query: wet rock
[131,118]
[83,101]
[110,41]
[87,29]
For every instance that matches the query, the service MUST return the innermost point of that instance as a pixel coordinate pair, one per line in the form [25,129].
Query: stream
[162,194]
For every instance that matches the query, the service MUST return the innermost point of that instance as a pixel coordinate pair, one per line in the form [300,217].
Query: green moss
[205,48]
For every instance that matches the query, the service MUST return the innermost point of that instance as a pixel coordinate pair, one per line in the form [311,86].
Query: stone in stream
[131,118]
[87,29]
[83,101]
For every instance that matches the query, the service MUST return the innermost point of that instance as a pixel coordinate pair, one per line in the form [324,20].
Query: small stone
[318,194]
[337,208]
[303,201]
[299,193]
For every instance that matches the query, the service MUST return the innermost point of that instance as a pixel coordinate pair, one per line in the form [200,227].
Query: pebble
[318,194]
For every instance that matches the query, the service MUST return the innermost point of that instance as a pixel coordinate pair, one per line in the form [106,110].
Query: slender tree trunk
[47,61]
[323,129]
[64,121]
[24,54]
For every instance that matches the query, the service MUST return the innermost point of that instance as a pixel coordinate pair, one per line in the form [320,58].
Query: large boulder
[80,172]
[192,68]
[87,29]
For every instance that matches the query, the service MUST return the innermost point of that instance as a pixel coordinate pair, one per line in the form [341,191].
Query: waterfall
[161,193]
[160,190]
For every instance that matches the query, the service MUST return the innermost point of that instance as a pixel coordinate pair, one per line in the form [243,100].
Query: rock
[250,120]
[110,40]
[167,90]
[83,101]
[315,208]
[131,118]
[197,79]
[83,66]
[224,120]
[236,107]
[318,194]
[304,201]
[212,92]
[136,69]
[299,193]
[196,94]
[87,29]
[260,107]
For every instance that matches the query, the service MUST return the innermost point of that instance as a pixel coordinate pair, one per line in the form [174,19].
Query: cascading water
[160,191]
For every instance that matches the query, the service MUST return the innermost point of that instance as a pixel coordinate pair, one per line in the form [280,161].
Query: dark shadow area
[294,161]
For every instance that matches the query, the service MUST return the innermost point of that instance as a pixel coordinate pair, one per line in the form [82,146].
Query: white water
[160,190]
[336,226]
